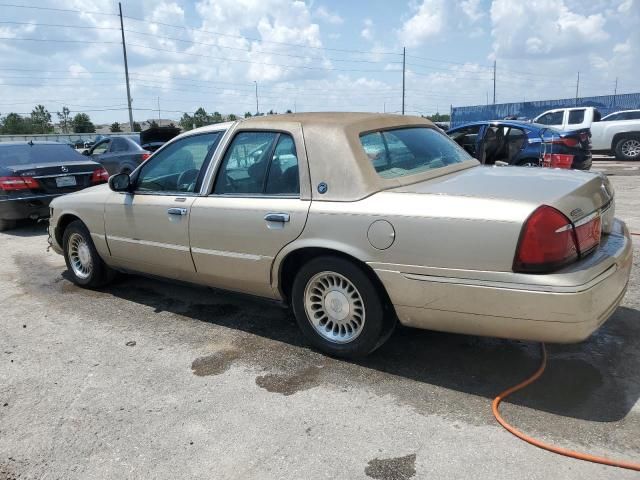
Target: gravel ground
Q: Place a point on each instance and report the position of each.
(148, 379)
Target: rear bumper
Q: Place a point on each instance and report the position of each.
(512, 310)
(32, 206)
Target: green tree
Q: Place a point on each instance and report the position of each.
(216, 118)
(186, 122)
(41, 119)
(82, 124)
(231, 117)
(271, 112)
(201, 118)
(137, 127)
(16, 124)
(288, 111)
(153, 123)
(65, 119)
(438, 117)
(115, 127)
(247, 115)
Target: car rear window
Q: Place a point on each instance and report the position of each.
(576, 117)
(406, 151)
(27, 154)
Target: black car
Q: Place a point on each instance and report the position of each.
(153, 138)
(524, 144)
(118, 154)
(34, 173)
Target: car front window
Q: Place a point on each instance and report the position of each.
(407, 151)
(177, 167)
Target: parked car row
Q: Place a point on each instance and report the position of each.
(359, 221)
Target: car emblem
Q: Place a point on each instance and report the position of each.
(576, 213)
(64, 169)
(322, 187)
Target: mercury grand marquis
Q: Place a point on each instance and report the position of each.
(359, 221)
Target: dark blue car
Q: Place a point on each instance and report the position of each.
(524, 144)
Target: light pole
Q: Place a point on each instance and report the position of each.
(257, 107)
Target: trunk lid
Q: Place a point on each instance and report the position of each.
(56, 178)
(576, 194)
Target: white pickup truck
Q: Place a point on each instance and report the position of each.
(618, 137)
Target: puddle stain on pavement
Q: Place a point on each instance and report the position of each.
(400, 468)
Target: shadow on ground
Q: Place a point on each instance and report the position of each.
(27, 228)
(595, 380)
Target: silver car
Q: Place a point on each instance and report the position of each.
(359, 221)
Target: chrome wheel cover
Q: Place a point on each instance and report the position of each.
(80, 256)
(334, 307)
(631, 148)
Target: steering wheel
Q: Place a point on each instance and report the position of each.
(187, 178)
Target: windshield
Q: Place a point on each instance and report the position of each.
(407, 151)
(28, 154)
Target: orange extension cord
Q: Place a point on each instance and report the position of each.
(560, 451)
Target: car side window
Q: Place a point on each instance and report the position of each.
(551, 118)
(245, 164)
(467, 138)
(284, 176)
(101, 147)
(576, 117)
(119, 145)
(177, 167)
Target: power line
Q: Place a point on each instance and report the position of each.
(68, 10)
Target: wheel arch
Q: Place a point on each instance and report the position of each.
(618, 136)
(63, 222)
(291, 262)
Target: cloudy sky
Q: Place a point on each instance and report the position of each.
(311, 55)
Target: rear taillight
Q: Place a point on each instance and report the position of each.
(588, 233)
(100, 175)
(9, 184)
(145, 156)
(557, 160)
(549, 241)
(567, 141)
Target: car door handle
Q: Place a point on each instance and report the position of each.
(177, 211)
(277, 217)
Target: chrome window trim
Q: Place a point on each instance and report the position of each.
(68, 174)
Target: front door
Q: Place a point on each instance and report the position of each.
(148, 230)
(254, 210)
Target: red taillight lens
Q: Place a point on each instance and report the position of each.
(569, 141)
(145, 156)
(547, 242)
(557, 160)
(588, 233)
(9, 184)
(100, 175)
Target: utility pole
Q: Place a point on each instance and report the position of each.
(577, 88)
(615, 92)
(126, 68)
(494, 82)
(257, 107)
(404, 63)
(487, 97)
(158, 108)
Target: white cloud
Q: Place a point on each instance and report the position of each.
(427, 21)
(367, 31)
(547, 28)
(324, 14)
(472, 9)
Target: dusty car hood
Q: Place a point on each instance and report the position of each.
(575, 193)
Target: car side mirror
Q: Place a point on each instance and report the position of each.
(120, 182)
(86, 152)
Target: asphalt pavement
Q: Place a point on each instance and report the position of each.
(149, 379)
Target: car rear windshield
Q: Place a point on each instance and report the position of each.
(27, 154)
(406, 151)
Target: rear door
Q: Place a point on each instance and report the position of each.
(148, 230)
(255, 207)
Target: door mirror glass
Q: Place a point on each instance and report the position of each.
(85, 153)
(120, 182)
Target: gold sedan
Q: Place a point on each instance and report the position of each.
(359, 221)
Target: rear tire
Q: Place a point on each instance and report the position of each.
(339, 309)
(85, 266)
(7, 224)
(628, 148)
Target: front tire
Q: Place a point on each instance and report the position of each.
(84, 264)
(338, 308)
(628, 148)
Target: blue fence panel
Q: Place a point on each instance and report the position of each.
(605, 104)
